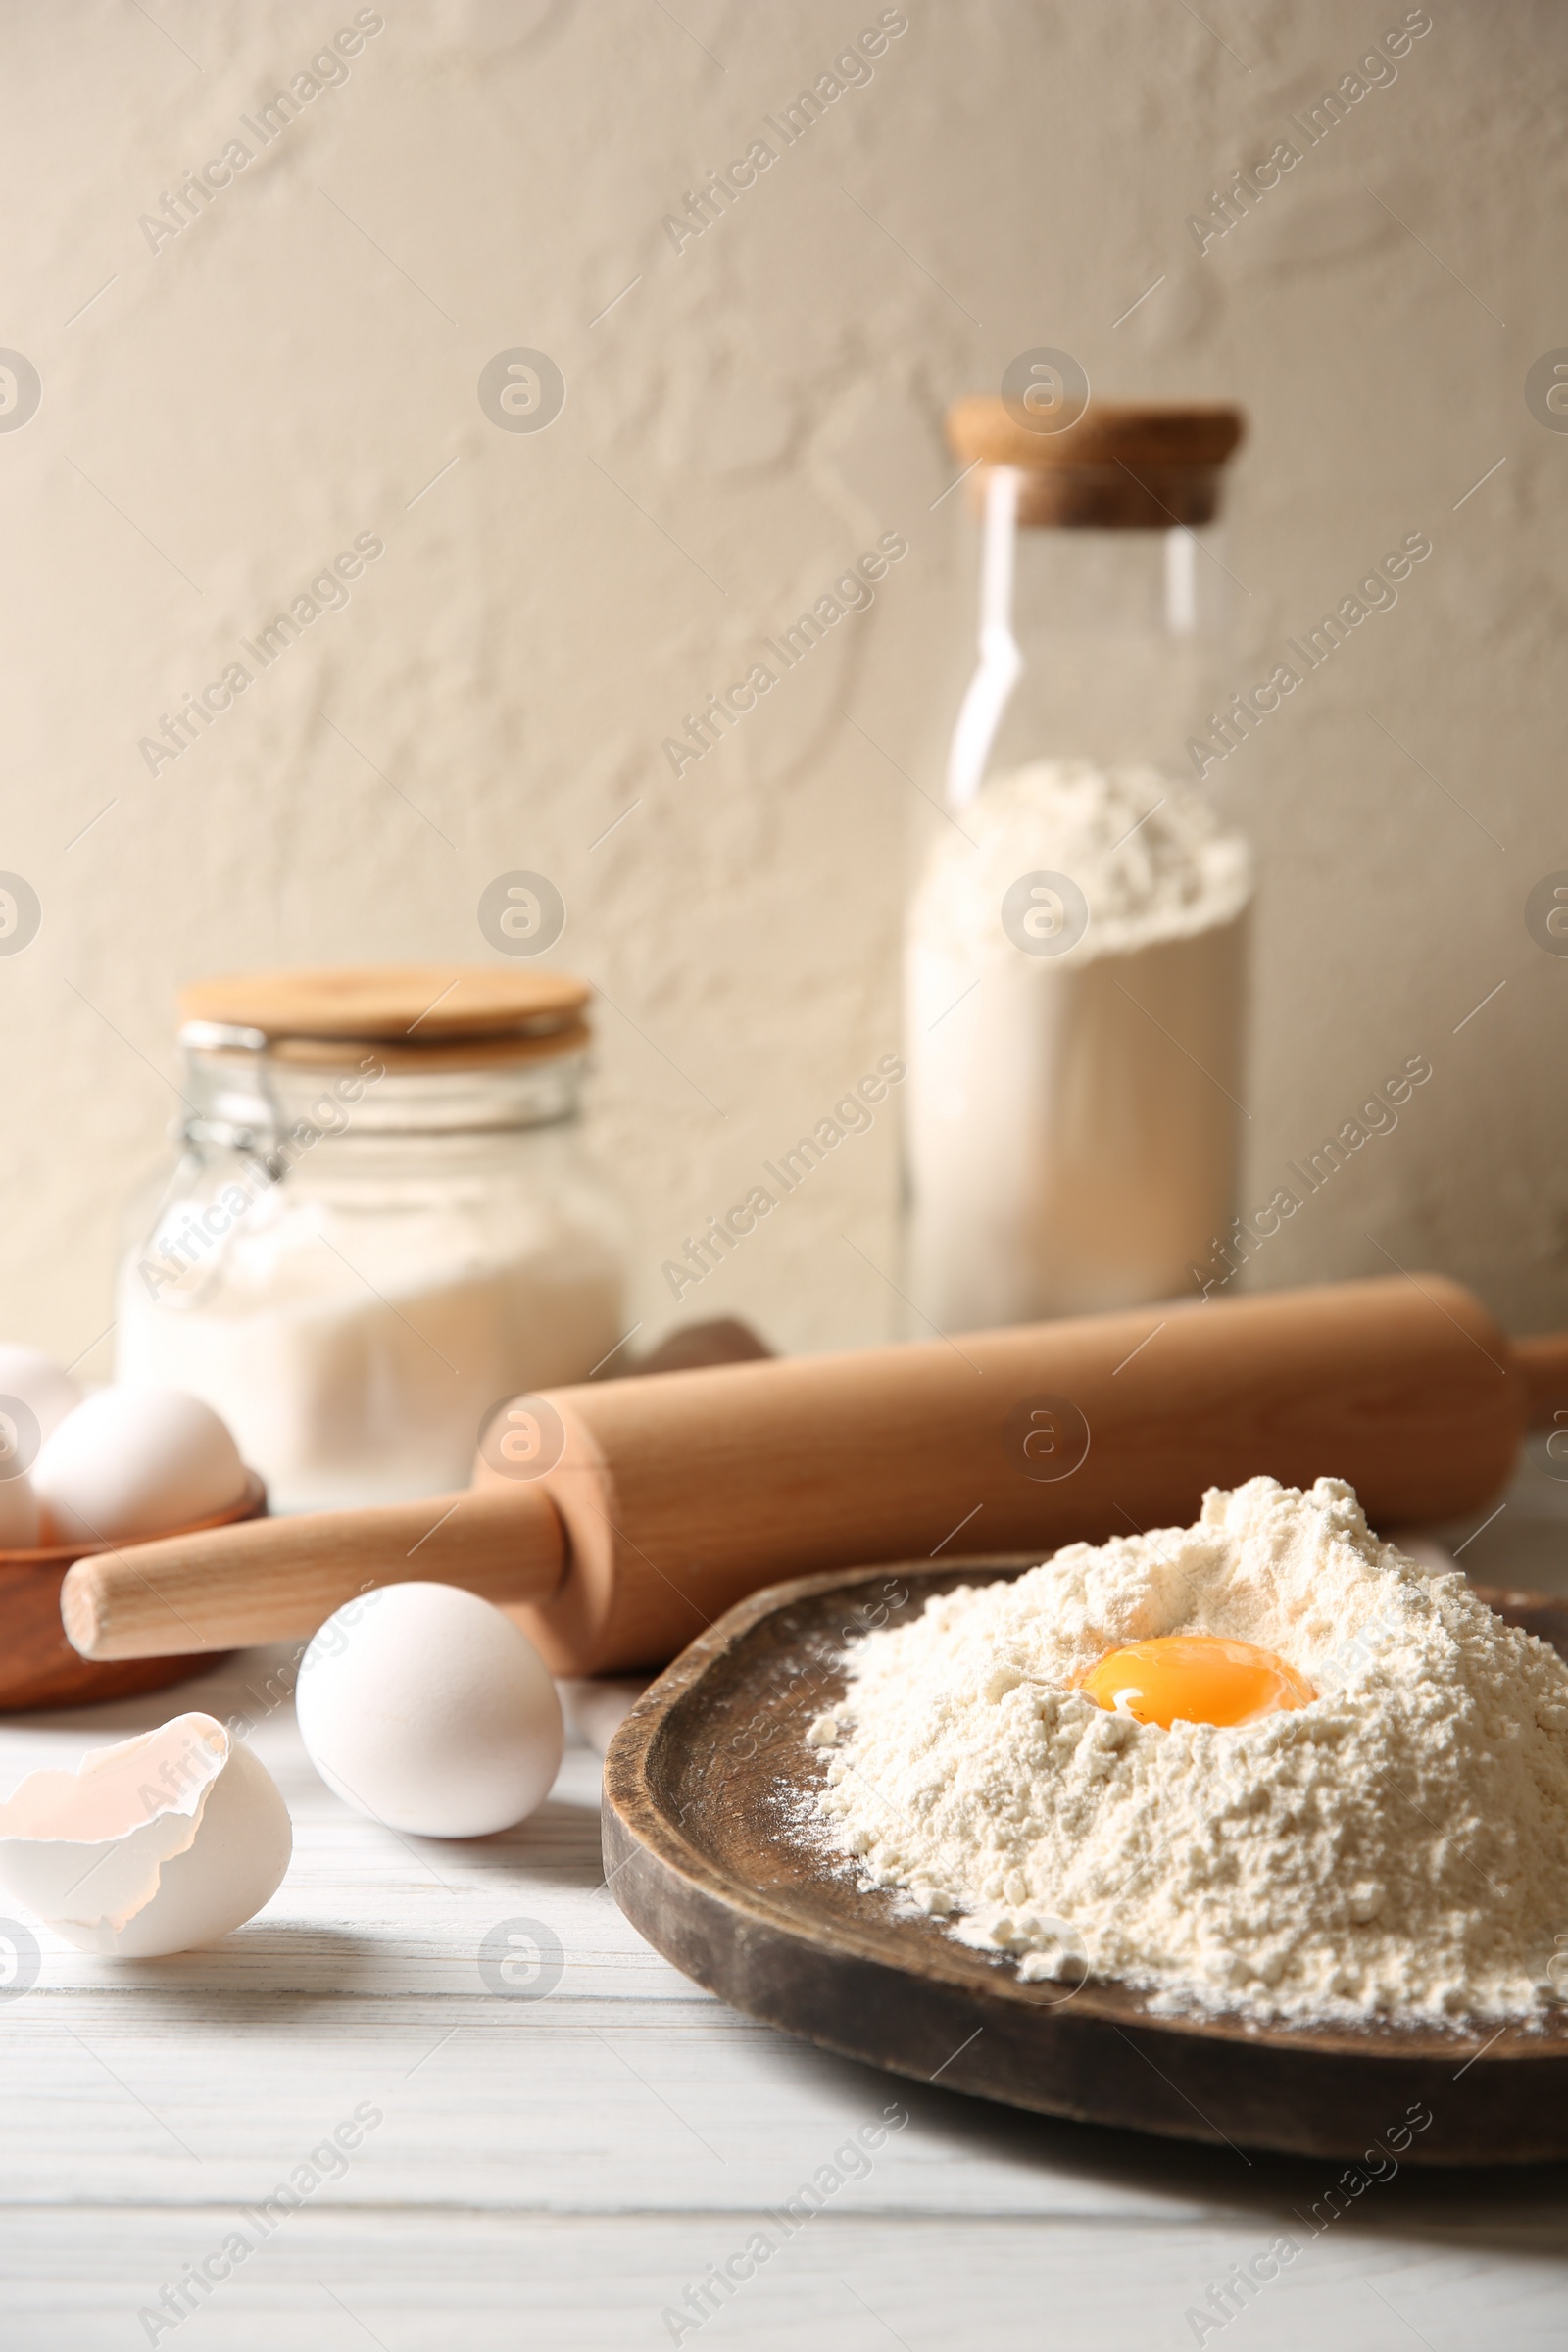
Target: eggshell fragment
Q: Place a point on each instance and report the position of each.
(424, 1707)
(48, 1393)
(154, 1845)
(20, 1526)
(134, 1462)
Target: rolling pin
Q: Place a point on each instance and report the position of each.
(617, 1519)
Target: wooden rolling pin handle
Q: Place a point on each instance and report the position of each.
(666, 1499)
(1544, 1361)
(273, 1579)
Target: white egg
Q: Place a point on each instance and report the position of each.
(48, 1393)
(136, 1462)
(20, 1527)
(154, 1845)
(431, 1711)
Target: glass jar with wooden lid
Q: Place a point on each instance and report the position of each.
(384, 1220)
(1074, 967)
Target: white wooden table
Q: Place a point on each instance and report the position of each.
(557, 2171)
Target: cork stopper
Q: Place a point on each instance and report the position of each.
(1128, 465)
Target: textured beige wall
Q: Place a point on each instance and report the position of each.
(302, 360)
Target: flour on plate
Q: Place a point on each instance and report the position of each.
(1398, 1848)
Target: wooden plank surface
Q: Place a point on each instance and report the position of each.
(559, 2171)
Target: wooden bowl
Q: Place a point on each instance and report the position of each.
(706, 1784)
(39, 1667)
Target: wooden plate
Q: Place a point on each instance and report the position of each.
(39, 1667)
(707, 1785)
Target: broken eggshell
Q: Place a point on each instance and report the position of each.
(154, 1845)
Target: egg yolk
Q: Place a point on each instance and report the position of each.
(1195, 1678)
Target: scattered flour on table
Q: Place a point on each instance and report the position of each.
(1398, 1847)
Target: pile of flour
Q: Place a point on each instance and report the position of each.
(1146, 849)
(1397, 1848)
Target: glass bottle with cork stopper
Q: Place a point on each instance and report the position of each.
(382, 1222)
(1075, 951)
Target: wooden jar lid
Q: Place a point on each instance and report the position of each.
(1121, 465)
(425, 1016)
